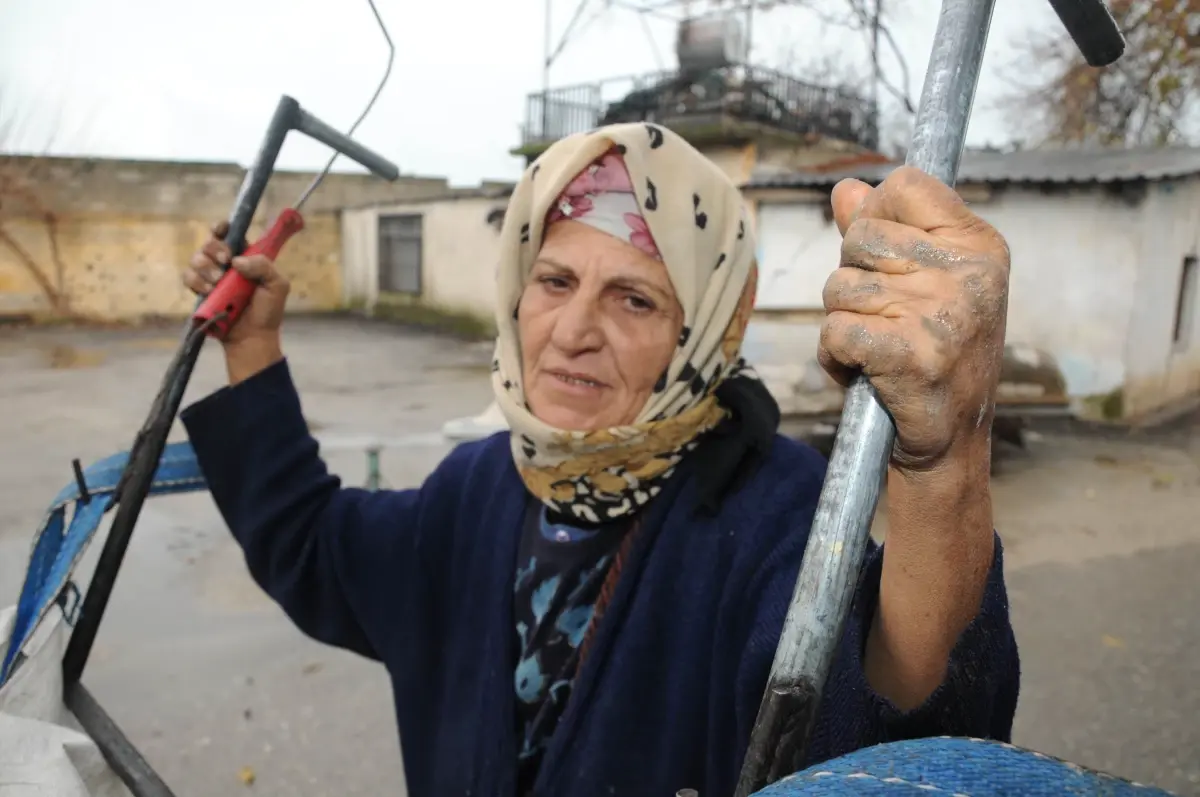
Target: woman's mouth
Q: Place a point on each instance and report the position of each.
(576, 380)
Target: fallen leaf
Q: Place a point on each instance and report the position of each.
(1162, 481)
(246, 776)
(1105, 459)
(312, 667)
(1112, 641)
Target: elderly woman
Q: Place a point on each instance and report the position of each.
(590, 603)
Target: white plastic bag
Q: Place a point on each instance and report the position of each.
(43, 752)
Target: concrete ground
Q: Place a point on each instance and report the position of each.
(222, 694)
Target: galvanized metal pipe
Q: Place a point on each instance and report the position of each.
(858, 464)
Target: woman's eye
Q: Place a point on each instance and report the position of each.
(554, 283)
(639, 303)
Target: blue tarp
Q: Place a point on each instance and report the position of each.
(58, 546)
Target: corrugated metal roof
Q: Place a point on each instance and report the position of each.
(1028, 166)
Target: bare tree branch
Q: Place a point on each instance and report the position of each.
(869, 14)
(859, 16)
(22, 199)
(864, 17)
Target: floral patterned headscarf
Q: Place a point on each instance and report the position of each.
(648, 186)
(602, 196)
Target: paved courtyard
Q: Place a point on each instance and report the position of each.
(222, 694)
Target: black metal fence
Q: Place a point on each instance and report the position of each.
(744, 93)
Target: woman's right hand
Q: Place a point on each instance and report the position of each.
(252, 343)
(263, 315)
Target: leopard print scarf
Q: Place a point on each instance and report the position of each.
(691, 215)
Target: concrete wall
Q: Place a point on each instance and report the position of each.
(736, 161)
(126, 267)
(123, 231)
(458, 253)
(1160, 370)
(740, 161)
(1075, 272)
(824, 153)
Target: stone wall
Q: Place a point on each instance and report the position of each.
(123, 230)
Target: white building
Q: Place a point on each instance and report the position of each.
(1104, 261)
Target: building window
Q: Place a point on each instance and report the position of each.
(400, 254)
(1185, 305)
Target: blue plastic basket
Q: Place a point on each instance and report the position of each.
(953, 767)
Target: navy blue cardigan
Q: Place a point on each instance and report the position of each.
(422, 580)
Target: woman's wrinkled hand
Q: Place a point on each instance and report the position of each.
(918, 305)
(263, 316)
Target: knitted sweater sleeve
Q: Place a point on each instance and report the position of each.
(329, 555)
(977, 697)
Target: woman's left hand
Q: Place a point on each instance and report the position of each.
(919, 306)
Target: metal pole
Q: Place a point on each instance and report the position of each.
(857, 467)
(876, 73)
(546, 58)
(342, 144)
(374, 474)
(120, 754)
(749, 47)
(940, 130)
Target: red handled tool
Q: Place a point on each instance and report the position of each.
(223, 306)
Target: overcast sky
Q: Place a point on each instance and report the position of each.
(155, 79)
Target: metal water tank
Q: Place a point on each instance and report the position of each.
(709, 43)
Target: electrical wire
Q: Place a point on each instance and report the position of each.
(567, 33)
(378, 90)
(650, 40)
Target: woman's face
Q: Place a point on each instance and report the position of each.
(598, 324)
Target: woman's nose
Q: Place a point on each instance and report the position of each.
(577, 325)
